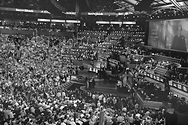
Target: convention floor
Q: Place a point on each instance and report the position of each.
(108, 87)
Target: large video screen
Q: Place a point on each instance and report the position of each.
(169, 34)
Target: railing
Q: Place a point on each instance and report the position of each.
(179, 86)
(161, 71)
(165, 58)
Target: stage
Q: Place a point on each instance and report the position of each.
(102, 86)
(106, 87)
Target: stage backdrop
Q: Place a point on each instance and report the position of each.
(169, 34)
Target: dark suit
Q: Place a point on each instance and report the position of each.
(178, 43)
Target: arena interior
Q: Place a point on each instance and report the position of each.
(93, 62)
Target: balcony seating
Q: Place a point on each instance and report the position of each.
(161, 71)
(67, 85)
(166, 58)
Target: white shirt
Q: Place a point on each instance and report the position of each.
(63, 123)
(93, 96)
(104, 99)
(100, 97)
(72, 123)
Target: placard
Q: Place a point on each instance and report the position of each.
(184, 89)
(179, 86)
(174, 84)
(170, 83)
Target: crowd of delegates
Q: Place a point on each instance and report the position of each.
(179, 103)
(29, 61)
(33, 70)
(32, 73)
(32, 60)
(54, 106)
(40, 26)
(150, 91)
(173, 70)
(132, 51)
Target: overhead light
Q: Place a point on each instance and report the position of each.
(102, 22)
(58, 21)
(115, 22)
(128, 22)
(70, 13)
(43, 20)
(73, 21)
(96, 14)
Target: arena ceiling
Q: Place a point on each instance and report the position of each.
(150, 6)
(134, 6)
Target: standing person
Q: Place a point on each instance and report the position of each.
(178, 42)
(87, 83)
(93, 83)
(102, 117)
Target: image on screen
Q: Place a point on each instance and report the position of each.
(169, 34)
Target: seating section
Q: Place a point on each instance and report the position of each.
(136, 34)
(161, 71)
(92, 33)
(166, 58)
(59, 64)
(66, 85)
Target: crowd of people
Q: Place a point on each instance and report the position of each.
(32, 74)
(149, 65)
(40, 26)
(55, 106)
(33, 59)
(174, 71)
(34, 68)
